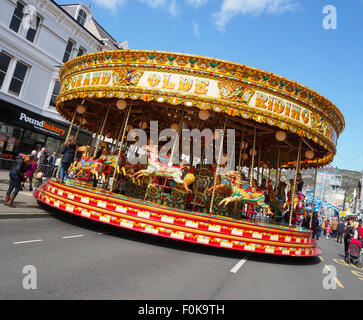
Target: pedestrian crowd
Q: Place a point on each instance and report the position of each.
(347, 231)
(29, 168)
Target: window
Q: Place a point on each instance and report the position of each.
(4, 64)
(17, 17)
(68, 51)
(30, 35)
(18, 78)
(55, 93)
(81, 52)
(82, 16)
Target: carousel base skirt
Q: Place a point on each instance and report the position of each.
(183, 225)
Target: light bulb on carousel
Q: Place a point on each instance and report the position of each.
(280, 135)
(204, 115)
(121, 104)
(174, 126)
(143, 125)
(309, 154)
(81, 109)
(250, 152)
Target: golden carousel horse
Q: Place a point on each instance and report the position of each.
(86, 165)
(242, 193)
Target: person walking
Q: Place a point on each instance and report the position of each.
(68, 151)
(340, 231)
(17, 175)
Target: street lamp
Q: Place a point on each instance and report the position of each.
(345, 196)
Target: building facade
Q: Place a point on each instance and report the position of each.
(36, 38)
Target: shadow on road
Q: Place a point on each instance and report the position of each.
(136, 236)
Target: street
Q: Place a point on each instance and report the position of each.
(75, 258)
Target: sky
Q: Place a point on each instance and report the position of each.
(286, 37)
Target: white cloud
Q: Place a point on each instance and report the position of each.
(232, 8)
(169, 5)
(196, 3)
(196, 29)
(109, 4)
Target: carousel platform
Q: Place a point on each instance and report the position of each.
(183, 225)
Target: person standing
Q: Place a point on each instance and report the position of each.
(340, 231)
(348, 235)
(321, 225)
(328, 229)
(68, 151)
(30, 172)
(52, 159)
(17, 175)
(315, 226)
(334, 226)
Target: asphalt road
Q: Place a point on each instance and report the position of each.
(66, 257)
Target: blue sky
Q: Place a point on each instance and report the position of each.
(285, 37)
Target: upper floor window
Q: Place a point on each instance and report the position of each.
(55, 93)
(17, 17)
(81, 51)
(30, 35)
(68, 51)
(18, 78)
(4, 65)
(82, 16)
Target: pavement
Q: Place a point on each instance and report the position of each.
(26, 206)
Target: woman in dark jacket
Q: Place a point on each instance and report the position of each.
(17, 175)
(68, 152)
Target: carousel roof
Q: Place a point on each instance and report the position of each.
(167, 86)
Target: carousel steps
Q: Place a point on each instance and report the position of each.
(180, 225)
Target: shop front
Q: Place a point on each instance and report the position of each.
(22, 131)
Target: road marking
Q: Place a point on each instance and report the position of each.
(335, 279)
(321, 258)
(239, 265)
(359, 274)
(27, 241)
(75, 236)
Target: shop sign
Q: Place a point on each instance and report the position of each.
(42, 125)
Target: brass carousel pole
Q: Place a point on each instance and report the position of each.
(123, 131)
(277, 171)
(241, 149)
(312, 204)
(79, 127)
(176, 142)
(258, 164)
(101, 132)
(253, 158)
(242, 145)
(292, 192)
(68, 134)
(217, 169)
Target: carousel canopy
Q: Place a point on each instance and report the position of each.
(201, 92)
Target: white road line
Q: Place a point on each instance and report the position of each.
(27, 241)
(75, 236)
(239, 265)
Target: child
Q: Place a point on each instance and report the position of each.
(38, 179)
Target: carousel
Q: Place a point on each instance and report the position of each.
(258, 125)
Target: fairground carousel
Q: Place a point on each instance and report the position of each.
(277, 127)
